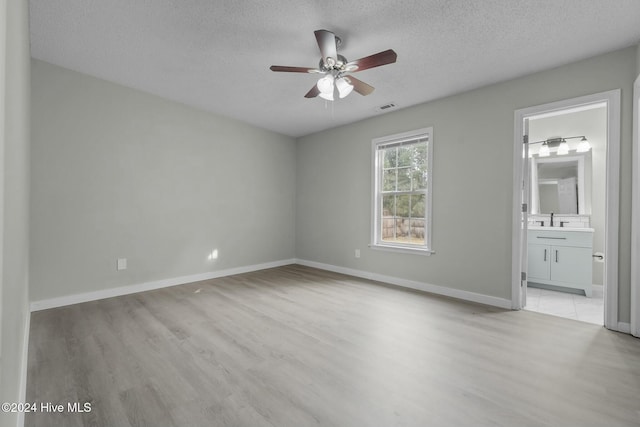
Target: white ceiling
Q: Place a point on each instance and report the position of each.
(215, 54)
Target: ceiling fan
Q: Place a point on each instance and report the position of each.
(335, 67)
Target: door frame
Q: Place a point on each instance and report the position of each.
(635, 214)
(612, 205)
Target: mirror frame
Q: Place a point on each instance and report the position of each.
(583, 179)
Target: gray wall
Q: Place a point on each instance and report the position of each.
(593, 124)
(472, 183)
(121, 173)
(14, 200)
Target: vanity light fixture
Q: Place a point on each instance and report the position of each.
(544, 150)
(583, 145)
(563, 148)
(562, 145)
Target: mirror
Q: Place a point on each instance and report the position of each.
(561, 184)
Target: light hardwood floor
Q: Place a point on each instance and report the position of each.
(295, 346)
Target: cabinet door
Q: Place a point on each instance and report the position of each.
(569, 264)
(538, 261)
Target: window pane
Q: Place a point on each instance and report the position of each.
(419, 175)
(402, 218)
(388, 223)
(390, 155)
(417, 231)
(420, 156)
(405, 156)
(389, 180)
(417, 222)
(402, 205)
(418, 206)
(404, 179)
(388, 205)
(419, 180)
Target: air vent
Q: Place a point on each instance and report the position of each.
(386, 107)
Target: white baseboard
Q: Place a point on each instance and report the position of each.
(624, 327)
(148, 286)
(22, 390)
(427, 287)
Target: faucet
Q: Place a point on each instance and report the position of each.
(551, 223)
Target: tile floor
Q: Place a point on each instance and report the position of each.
(570, 306)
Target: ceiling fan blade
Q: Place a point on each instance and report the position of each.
(371, 61)
(327, 44)
(359, 86)
(286, 69)
(313, 92)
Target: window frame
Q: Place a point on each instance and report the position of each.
(376, 193)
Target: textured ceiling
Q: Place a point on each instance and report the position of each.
(215, 54)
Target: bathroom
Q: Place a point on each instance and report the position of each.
(567, 199)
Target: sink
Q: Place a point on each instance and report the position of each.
(537, 227)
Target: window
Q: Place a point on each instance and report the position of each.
(402, 191)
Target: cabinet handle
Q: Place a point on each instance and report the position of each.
(545, 255)
(556, 255)
(554, 238)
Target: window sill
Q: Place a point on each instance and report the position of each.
(402, 249)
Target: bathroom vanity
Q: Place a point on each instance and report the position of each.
(560, 257)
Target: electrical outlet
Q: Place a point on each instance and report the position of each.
(122, 264)
(357, 253)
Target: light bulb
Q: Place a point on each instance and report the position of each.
(325, 85)
(563, 148)
(583, 145)
(544, 150)
(344, 87)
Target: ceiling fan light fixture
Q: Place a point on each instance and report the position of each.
(333, 66)
(327, 96)
(325, 85)
(344, 87)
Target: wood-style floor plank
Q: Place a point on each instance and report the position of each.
(296, 346)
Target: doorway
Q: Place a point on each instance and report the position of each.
(566, 193)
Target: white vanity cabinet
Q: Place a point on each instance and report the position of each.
(560, 257)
